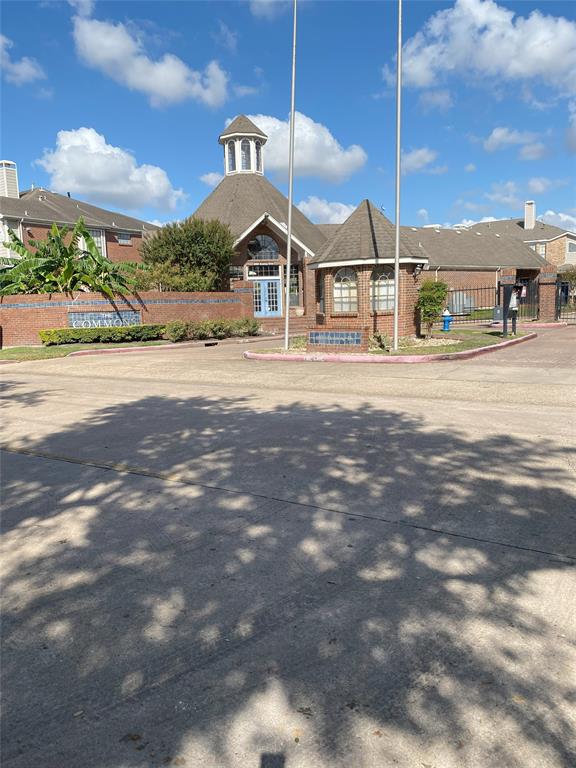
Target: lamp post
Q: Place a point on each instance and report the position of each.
(290, 188)
(398, 160)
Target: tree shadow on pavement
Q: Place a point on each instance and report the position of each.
(210, 582)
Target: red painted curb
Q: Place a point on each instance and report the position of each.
(319, 357)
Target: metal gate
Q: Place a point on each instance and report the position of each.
(565, 302)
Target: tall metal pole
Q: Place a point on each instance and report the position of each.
(290, 190)
(398, 159)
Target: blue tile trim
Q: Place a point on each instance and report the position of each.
(70, 305)
(335, 338)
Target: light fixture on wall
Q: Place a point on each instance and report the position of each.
(418, 269)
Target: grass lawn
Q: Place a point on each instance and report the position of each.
(62, 350)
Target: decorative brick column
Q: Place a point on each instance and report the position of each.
(547, 280)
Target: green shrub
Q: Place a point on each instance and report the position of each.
(177, 330)
(246, 327)
(109, 334)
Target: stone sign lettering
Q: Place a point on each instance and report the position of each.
(103, 319)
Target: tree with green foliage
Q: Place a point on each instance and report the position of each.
(431, 302)
(189, 255)
(63, 263)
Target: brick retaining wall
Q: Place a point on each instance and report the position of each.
(22, 316)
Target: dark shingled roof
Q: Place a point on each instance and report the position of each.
(368, 235)
(515, 228)
(239, 200)
(466, 248)
(40, 205)
(329, 229)
(242, 125)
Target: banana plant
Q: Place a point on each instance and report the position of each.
(65, 262)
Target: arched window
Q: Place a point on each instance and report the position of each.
(382, 289)
(263, 247)
(231, 156)
(245, 152)
(345, 291)
(258, 146)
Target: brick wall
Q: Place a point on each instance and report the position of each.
(365, 318)
(21, 317)
(556, 251)
(547, 294)
(114, 250)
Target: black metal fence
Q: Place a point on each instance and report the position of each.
(565, 302)
(478, 305)
(472, 305)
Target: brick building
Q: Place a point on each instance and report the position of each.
(257, 212)
(30, 215)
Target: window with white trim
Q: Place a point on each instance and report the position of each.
(258, 146)
(124, 238)
(382, 289)
(345, 290)
(231, 157)
(98, 236)
(263, 247)
(245, 155)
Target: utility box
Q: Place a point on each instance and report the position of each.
(497, 317)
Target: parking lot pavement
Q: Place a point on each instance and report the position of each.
(211, 562)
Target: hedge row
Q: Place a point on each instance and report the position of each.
(174, 331)
(178, 330)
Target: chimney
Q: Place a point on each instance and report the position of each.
(529, 214)
(8, 179)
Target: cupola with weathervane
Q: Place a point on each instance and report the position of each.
(243, 142)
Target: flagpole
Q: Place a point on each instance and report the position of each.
(290, 189)
(398, 159)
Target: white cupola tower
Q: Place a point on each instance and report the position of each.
(243, 142)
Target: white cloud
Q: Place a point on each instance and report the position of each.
(503, 137)
(323, 212)
(559, 219)
(418, 160)
(211, 179)
(267, 9)
(470, 168)
(226, 37)
(423, 214)
(534, 151)
(537, 186)
(491, 43)
(113, 50)
(505, 193)
(82, 7)
(25, 70)
(440, 100)
(82, 163)
(245, 90)
(316, 151)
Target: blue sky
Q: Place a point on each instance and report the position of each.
(121, 103)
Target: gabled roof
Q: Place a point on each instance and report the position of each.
(366, 235)
(466, 248)
(515, 228)
(241, 199)
(329, 229)
(242, 125)
(41, 205)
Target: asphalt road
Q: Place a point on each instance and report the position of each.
(227, 564)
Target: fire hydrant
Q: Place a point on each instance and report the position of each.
(447, 317)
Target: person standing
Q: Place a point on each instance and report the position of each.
(513, 306)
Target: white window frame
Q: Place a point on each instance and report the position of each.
(124, 238)
(382, 289)
(345, 291)
(99, 237)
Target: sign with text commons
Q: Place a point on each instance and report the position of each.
(103, 319)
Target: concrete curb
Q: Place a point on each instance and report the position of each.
(380, 359)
